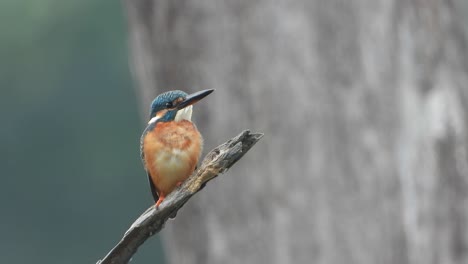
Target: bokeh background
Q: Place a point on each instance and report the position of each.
(72, 181)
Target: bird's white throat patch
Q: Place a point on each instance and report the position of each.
(184, 114)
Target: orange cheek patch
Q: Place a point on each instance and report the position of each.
(177, 101)
(161, 113)
(158, 115)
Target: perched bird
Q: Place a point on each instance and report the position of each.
(171, 144)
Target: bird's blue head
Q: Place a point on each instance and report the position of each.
(175, 105)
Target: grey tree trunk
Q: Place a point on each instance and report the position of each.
(364, 106)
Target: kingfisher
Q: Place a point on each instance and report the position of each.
(171, 144)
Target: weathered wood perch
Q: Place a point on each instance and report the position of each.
(152, 221)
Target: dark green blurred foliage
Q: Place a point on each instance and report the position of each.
(72, 181)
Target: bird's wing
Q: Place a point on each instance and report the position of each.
(154, 192)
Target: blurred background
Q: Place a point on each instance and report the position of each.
(69, 144)
(364, 106)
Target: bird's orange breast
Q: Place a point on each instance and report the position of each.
(171, 153)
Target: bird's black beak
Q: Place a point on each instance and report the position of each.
(193, 98)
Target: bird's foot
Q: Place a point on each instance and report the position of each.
(161, 198)
(178, 184)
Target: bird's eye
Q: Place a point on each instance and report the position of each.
(169, 105)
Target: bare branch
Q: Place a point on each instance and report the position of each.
(152, 221)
